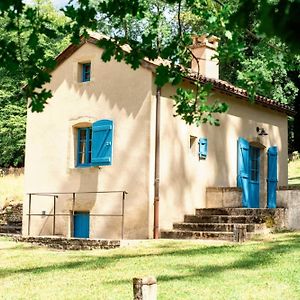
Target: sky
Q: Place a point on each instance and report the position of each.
(57, 3)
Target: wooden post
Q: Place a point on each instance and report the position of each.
(145, 288)
(239, 233)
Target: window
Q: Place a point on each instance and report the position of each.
(254, 164)
(193, 145)
(86, 72)
(94, 144)
(84, 154)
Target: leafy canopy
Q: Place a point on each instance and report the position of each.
(17, 40)
(257, 40)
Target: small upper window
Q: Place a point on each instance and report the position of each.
(193, 145)
(86, 72)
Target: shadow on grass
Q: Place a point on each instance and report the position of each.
(293, 178)
(252, 256)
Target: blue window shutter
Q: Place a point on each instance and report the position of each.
(102, 143)
(272, 176)
(202, 148)
(243, 170)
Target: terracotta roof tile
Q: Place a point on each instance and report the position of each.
(231, 89)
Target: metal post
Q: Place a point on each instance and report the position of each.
(72, 221)
(54, 208)
(123, 212)
(157, 167)
(29, 214)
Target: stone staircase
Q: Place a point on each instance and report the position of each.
(226, 223)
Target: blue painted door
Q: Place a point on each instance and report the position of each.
(243, 170)
(272, 176)
(254, 165)
(82, 224)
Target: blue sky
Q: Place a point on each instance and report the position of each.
(60, 3)
(57, 3)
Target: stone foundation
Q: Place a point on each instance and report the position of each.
(289, 198)
(223, 197)
(11, 219)
(69, 243)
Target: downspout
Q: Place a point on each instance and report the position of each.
(156, 166)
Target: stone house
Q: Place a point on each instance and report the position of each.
(95, 163)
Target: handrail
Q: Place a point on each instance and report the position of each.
(66, 193)
(56, 196)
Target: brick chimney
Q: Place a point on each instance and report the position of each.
(204, 49)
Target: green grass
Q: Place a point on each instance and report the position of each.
(294, 172)
(11, 189)
(268, 269)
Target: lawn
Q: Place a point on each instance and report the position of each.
(261, 269)
(294, 172)
(11, 189)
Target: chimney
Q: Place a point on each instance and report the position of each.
(204, 49)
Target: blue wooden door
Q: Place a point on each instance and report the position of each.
(254, 165)
(82, 224)
(272, 176)
(243, 170)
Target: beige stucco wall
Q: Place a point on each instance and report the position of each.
(117, 93)
(184, 177)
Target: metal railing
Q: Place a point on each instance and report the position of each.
(74, 194)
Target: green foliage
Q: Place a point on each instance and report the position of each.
(255, 50)
(249, 56)
(12, 135)
(194, 108)
(27, 52)
(278, 18)
(26, 36)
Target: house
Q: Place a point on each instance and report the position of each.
(96, 165)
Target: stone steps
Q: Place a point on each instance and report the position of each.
(183, 234)
(226, 223)
(219, 227)
(236, 211)
(240, 219)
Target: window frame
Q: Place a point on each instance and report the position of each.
(84, 72)
(87, 150)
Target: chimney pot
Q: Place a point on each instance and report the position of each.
(204, 48)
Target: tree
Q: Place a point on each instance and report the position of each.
(241, 25)
(14, 77)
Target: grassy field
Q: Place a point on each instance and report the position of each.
(11, 189)
(294, 172)
(268, 269)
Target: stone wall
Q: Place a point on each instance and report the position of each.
(69, 243)
(11, 219)
(217, 197)
(289, 198)
(11, 171)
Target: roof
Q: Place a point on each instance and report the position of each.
(218, 84)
